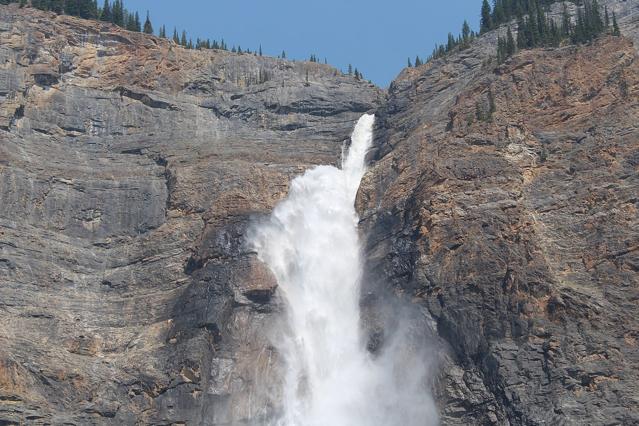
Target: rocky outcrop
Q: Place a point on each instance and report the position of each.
(503, 202)
(129, 170)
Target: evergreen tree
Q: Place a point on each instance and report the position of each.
(118, 13)
(350, 69)
(129, 21)
(183, 41)
(283, 54)
(89, 9)
(596, 22)
(566, 22)
(466, 33)
(501, 50)
(486, 18)
(72, 7)
(260, 50)
(451, 42)
(492, 107)
(579, 32)
(498, 12)
(418, 61)
(409, 64)
(163, 31)
(82, 8)
(533, 26)
(522, 40)
(479, 112)
(137, 23)
(56, 6)
(176, 37)
(510, 43)
(106, 13)
(542, 24)
(148, 27)
(615, 26)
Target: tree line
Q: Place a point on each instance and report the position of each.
(116, 13)
(461, 42)
(534, 28)
(504, 11)
(89, 9)
(538, 30)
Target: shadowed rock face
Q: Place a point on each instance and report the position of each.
(516, 230)
(129, 171)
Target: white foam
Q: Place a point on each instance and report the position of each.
(311, 244)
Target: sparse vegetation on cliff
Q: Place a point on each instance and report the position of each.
(533, 27)
(462, 41)
(115, 12)
(538, 30)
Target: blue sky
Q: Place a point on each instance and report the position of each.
(375, 36)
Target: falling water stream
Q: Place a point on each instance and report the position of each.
(311, 244)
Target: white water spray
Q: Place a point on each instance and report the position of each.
(311, 245)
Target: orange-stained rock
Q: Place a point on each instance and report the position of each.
(516, 230)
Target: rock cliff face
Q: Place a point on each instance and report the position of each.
(130, 169)
(515, 228)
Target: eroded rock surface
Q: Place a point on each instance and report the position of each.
(129, 171)
(515, 228)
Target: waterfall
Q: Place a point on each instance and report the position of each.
(311, 245)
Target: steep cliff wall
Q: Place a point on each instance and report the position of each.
(129, 169)
(515, 227)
